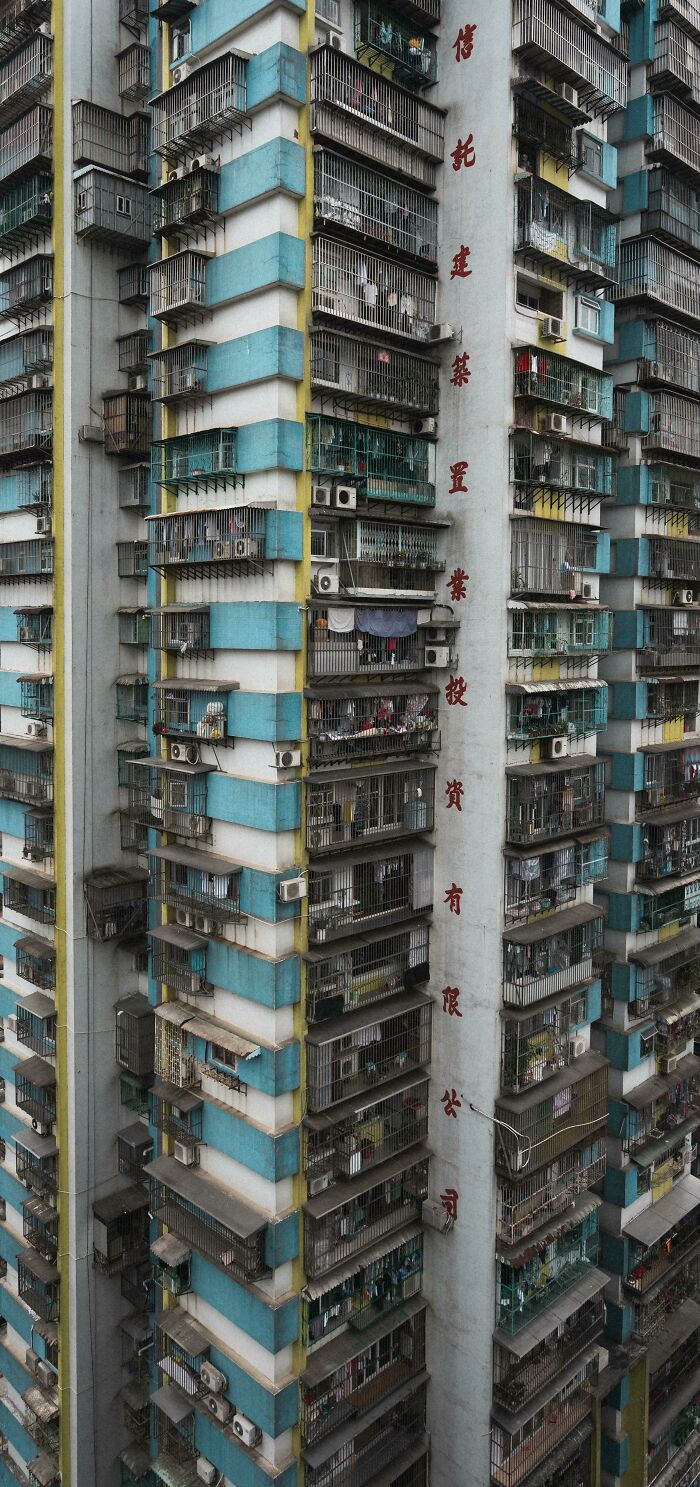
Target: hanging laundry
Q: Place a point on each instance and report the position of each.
(387, 622)
(341, 621)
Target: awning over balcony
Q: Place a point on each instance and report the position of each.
(40, 1211)
(172, 1403)
(356, 776)
(47, 1330)
(354, 1022)
(520, 1253)
(171, 1094)
(44, 1470)
(208, 1028)
(350, 1344)
(556, 1314)
(41, 1269)
(37, 1005)
(525, 689)
(183, 939)
(686, 943)
(667, 885)
(320, 953)
(36, 1071)
(204, 862)
(171, 1252)
(656, 1150)
(43, 1403)
(663, 1419)
(136, 1460)
(545, 849)
(314, 1456)
(513, 1422)
(345, 1192)
(365, 1101)
(137, 1327)
(556, 606)
(556, 924)
(682, 1007)
(559, 1459)
(180, 1328)
(214, 1200)
(657, 1220)
(313, 1290)
(653, 1089)
(39, 1146)
(135, 1395)
(172, 766)
(381, 688)
(559, 766)
(180, 684)
(539, 1094)
(28, 745)
(28, 875)
(688, 811)
(677, 1328)
(115, 1205)
(33, 945)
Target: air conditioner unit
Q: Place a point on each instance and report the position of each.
(245, 547)
(184, 753)
(181, 73)
(291, 890)
(11, 1023)
(32, 1360)
(348, 1064)
(183, 917)
(206, 926)
(442, 331)
(206, 1471)
(287, 758)
(555, 748)
(577, 1047)
(138, 382)
(204, 162)
(38, 381)
(248, 1433)
(552, 328)
(558, 423)
(424, 426)
(36, 730)
(45, 1375)
(212, 1378)
(345, 496)
(585, 589)
(43, 525)
(568, 93)
(325, 581)
(184, 1154)
(437, 655)
(669, 1063)
(24, 633)
(435, 1216)
(320, 495)
(91, 433)
(684, 596)
(319, 1184)
(44, 29)
(221, 1409)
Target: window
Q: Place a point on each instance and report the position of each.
(529, 295)
(124, 205)
(591, 154)
(647, 1042)
(82, 201)
(585, 471)
(579, 1011)
(320, 540)
(181, 40)
(588, 316)
(224, 1056)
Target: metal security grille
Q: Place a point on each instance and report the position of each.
(199, 538)
(190, 202)
(669, 559)
(102, 137)
(553, 1123)
(653, 270)
(178, 286)
(372, 725)
(373, 1132)
(197, 460)
(180, 373)
(551, 803)
(340, 1068)
(27, 145)
(561, 381)
(133, 350)
(567, 49)
(355, 106)
(19, 18)
(127, 423)
(382, 1441)
(174, 1062)
(133, 284)
(361, 1382)
(571, 633)
(377, 806)
(551, 879)
(525, 1205)
(514, 1456)
(242, 1258)
(569, 713)
(203, 107)
(549, 557)
(351, 284)
(362, 372)
(25, 76)
(675, 137)
(674, 425)
(111, 209)
(554, 228)
(517, 1380)
(673, 208)
(180, 629)
(670, 850)
(132, 559)
(34, 627)
(352, 196)
(343, 979)
(32, 559)
(367, 893)
(389, 466)
(539, 968)
(385, 41)
(533, 1048)
(25, 213)
(169, 800)
(27, 286)
(671, 354)
(134, 71)
(379, 1209)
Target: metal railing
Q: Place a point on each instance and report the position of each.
(571, 633)
(562, 382)
(373, 1134)
(674, 136)
(180, 629)
(540, 463)
(556, 228)
(343, 1067)
(119, 142)
(674, 425)
(524, 1206)
(380, 35)
(372, 726)
(359, 109)
(178, 286)
(371, 1298)
(201, 108)
(527, 1288)
(26, 211)
(244, 1259)
(516, 1380)
(196, 460)
(346, 979)
(26, 146)
(234, 534)
(169, 801)
(127, 423)
(132, 559)
(180, 373)
(513, 1457)
(373, 1448)
(673, 208)
(27, 286)
(364, 372)
(538, 884)
(190, 202)
(555, 803)
(376, 1211)
(675, 65)
(352, 196)
(369, 807)
(550, 965)
(653, 270)
(534, 1047)
(670, 637)
(387, 465)
(548, 557)
(554, 1123)
(361, 1383)
(134, 71)
(568, 49)
(380, 294)
(25, 76)
(572, 714)
(353, 652)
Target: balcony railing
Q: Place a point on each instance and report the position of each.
(133, 284)
(675, 66)
(26, 147)
(517, 1380)
(567, 49)
(382, 40)
(562, 233)
(183, 206)
(25, 76)
(26, 428)
(674, 426)
(670, 638)
(670, 355)
(365, 971)
(181, 627)
(180, 374)
(336, 1228)
(549, 557)
(127, 423)
(535, 885)
(204, 1215)
(350, 284)
(36, 1024)
(192, 709)
(20, 355)
(372, 724)
(562, 383)
(673, 209)
(132, 559)
(374, 559)
(672, 558)
(671, 485)
(231, 539)
(554, 712)
(196, 462)
(18, 19)
(118, 142)
(371, 1449)
(38, 1284)
(209, 887)
(345, 1145)
(26, 213)
(533, 126)
(674, 140)
(34, 626)
(356, 199)
(35, 1091)
(353, 808)
(536, 1046)
(35, 961)
(373, 1367)
(169, 797)
(647, 1266)
(367, 374)
(548, 801)
(328, 1306)
(538, 963)
(26, 287)
(547, 1124)
(355, 107)
(38, 835)
(528, 1283)
(179, 287)
(179, 961)
(361, 651)
(384, 464)
(542, 464)
(364, 1049)
(27, 892)
(109, 209)
(206, 106)
(686, 12)
(515, 1453)
(537, 632)
(26, 770)
(655, 271)
(531, 1202)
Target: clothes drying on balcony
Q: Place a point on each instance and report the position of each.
(555, 1316)
(581, 1208)
(390, 624)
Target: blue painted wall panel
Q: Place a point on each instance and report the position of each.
(276, 259)
(273, 1327)
(254, 803)
(275, 352)
(278, 165)
(255, 627)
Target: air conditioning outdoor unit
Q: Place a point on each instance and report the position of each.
(291, 890)
(212, 1378)
(558, 423)
(138, 382)
(440, 332)
(184, 753)
(556, 748)
(684, 596)
(346, 497)
(11, 1023)
(204, 162)
(206, 1471)
(221, 1409)
(183, 917)
(585, 589)
(45, 1375)
(435, 1216)
(181, 73)
(43, 525)
(437, 656)
(320, 495)
(287, 758)
(245, 547)
(577, 1047)
(669, 1064)
(568, 93)
(325, 581)
(319, 1184)
(247, 1433)
(552, 328)
(32, 1360)
(424, 426)
(36, 729)
(184, 1154)
(206, 926)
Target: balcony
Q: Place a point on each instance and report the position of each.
(20, 356)
(38, 836)
(367, 1130)
(34, 626)
(538, 1044)
(399, 1432)
(670, 638)
(18, 19)
(35, 1092)
(330, 1304)
(134, 72)
(570, 51)
(670, 356)
(192, 709)
(181, 374)
(132, 559)
(575, 240)
(26, 769)
(176, 1113)
(35, 961)
(389, 45)
(134, 627)
(350, 197)
(565, 709)
(41, 1419)
(549, 955)
(119, 143)
(25, 288)
(181, 628)
(209, 105)
(198, 884)
(670, 776)
(678, 1232)
(674, 140)
(40, 1226)
(133, 284)
(352, 1216)
(671, 485)
(559, 382)
(518, 1446)
(541, 465)
(180, 961)
(686, 12)
(36, 1024)
(674, 1458)
(353, 1054)
(26, 147)
(550, 557)
(350, 808)
(528, 1284)
(355, 107)
(673, 210)
(543, 632)
(115, 903)
(549, 1118)
(377, 559)
(134, 1035)
(111, 209)
(546, 801)
(366, 970)
(363, 374)
(350, 1376)
(25, 214)
(535, 885)
(650, 270)
(36, 1161)
(29, 893)
(383, 464)
(532, 125)
(369, 724)
(38, 1284)
(120, 1230)
(184, 206)
(671, 843)
(178, 292)
(127, 423)
(519, 1377)
(169, 796)
(197, 463)
(208, 1217)
(132, 698)
(674, 426)
(384, 295)
(26, 431)
(231, 541)
(362, 651)
(25, 76)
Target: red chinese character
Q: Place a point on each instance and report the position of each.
(464, 153)
(460, 268)
(454, 791)
(453, 897)
(464, 43)
(457, 584)
(450, 1001)
(460, 370)
(451, 1103)
(449, 1200)
(454, 692)
(457, 474)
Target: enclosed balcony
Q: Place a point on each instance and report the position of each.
(667, 559)
(671, 485)
(180, 961)
(116, 141)
(35, 961)
(354, 1215)
(535, 885)
(36, 697)
(545, 800)
(555, 139)
(111, 209)
(520, 1375)
(229, 540)
(673, 210)
(210, 1218)
(673, 426)
(208, 105)
(541, 465)
(526, 1204)
(40, 1226)
(671, 842)
(36, 1161)
(127, 423)
(25, 76)
(134, 483)
(387, 44)
(133, 284)
(196, 463)
(350, 284)
(377, 559)
(26, 287)
(548, 1119)
(673, 141)
(535, 1045)
(549, 557)
(662, 1236)
(181, 628)
(350, 1055)
(170, 796)
(134, 349)
(26, 769)
(201, 887)
(670, 638)
(181, 1348)
(36, 1024)
(29, 893)
(384, 465)
(352, 1375)
(34, 626)
(176, 1113)
(368, 724)
(357, 108)
(366, 970)
(395, 1436)
(533, 1274)
(134, 627)
(19, 19)
(565, 709)
(116, 902)
(35, 1092)
(663, 902)
(132, 559)
(568, 50)
(192, 709)
(332, 1303)
(178, 288)
(349, 807)
(670, 356)
(134, 1035)
(520, 1442)
(549, 955)
(360, 1133)
(180, 375)
(26, 431)
(26, 212)
(120, 1230)
(350, 197)
(653, 271)
(172, 1272)
(38, 835)
(670, 776)
(20, 356)
(575, 240)
(134, 72)
(369, 647)
(363, 374)
(132, 698)
(539, 631)
(186, 204)
(26, 147)
(560, 382)
(38, 1284)
(134, 1149)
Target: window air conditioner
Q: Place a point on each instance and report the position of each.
(555, 748)
(213, 1379)
(291, 889)
(186, 1155)
(346, 497)
(440, 332)
(585, 589)
(319, 1184)
(287, 758)
(435, 1216)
